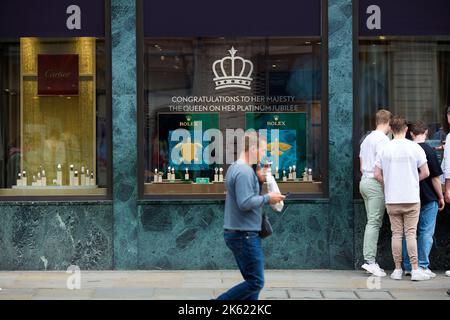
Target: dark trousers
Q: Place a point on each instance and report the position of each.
(247, 250)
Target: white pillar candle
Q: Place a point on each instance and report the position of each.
(39, 180)
(76, 181)
(83, 177)
(310, 176)
(71, 174)
(43, 179)
(59, 179)
(24, 179)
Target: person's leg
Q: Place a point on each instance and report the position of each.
(396, 219)
(406, 262)
(374, 203)
(249, 256)
(411, 219)
(425, 232)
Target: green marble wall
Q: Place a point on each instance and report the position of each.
(190, 236)
(123, 29)
(340, 112)
(53, 236)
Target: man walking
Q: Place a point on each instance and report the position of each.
(243, 218)
(431, 201)
(396, 167)
(372, 191)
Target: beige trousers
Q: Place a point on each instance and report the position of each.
(404, 219)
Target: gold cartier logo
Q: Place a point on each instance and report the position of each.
(52, 74)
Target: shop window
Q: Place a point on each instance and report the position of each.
(54, 105)
(198, 92)
(410, 76)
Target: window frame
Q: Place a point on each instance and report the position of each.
(140, 41)
(108, 101)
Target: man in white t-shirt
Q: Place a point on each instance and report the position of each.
(446, 169)
(396, 167)
(372, 191)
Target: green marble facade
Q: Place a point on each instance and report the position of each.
(128, 233)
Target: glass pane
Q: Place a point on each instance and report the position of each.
(199, 89)
(408, 76)
(53, 117)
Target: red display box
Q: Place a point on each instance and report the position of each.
(58, 75)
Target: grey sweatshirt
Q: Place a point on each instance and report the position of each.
(243, 202)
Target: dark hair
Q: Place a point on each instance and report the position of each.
(247, 141)
(398, 124)
(418, 127)
(445, 124)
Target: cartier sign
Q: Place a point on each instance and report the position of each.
(58, 74)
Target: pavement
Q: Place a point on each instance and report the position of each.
(205, 285)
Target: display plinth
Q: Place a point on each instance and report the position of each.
(53, 191)
(218, 188)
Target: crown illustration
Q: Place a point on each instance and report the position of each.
(233, 72)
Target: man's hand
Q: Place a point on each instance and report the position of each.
(447, 196)
(275, 197)
(441, 204)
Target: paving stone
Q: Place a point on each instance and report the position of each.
(304, 294)
(16, 294)
(372, 295)
(198, 284)
(272, 294)
(123, 294)
(334, 294)
(63, 294)
(183, 294)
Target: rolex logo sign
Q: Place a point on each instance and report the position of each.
(276, 121)
(233, 72)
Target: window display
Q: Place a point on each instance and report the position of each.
(53, 117)
(203, 95)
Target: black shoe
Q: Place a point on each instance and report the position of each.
(448, 292)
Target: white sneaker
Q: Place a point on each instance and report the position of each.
(397, 274)
(428, 272)
(374, 269)
(447, 273)
(419, 275)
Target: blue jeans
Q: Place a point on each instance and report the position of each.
(425, 232)
(247, 250)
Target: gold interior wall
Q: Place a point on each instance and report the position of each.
(57, 129)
